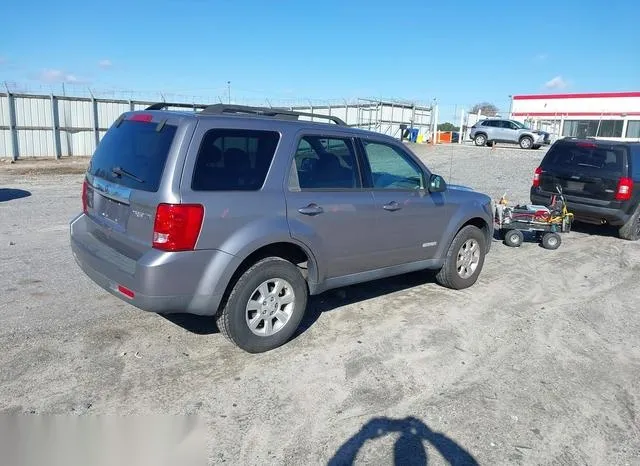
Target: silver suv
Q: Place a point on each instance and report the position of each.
(241, 213)
(491, 130)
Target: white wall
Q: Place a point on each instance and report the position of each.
(583, 106)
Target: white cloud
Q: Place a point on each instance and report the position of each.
(59, 76)
(541, 57)
(105, 63)
(556, 83)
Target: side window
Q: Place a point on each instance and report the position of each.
(390, 168)
(492, 123)
(326, 163)
(509, 125)
(234, 160)
(635, 163)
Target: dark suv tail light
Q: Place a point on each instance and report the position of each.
(177, 226)
(84, 196)
(536, 177)
(625, 186)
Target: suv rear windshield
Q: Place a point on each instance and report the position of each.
(610, 159)
(133, 154)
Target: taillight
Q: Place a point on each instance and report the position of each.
(625, 186)
(177, 226)
(84, 196)
(536, 177)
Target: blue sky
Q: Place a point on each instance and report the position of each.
(458, 52)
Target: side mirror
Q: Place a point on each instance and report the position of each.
(437, 184)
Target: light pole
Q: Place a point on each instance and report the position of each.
(510, 106)
(229, 91)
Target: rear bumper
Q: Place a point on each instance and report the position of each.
(180, 282)
(589, 213)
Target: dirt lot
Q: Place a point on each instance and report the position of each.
(539, 363)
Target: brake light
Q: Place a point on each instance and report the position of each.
(141, 117)
(84, 196)
(536, 177)
(177, 226)
(587, 145)
(625, 186)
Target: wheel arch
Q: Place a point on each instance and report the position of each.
(482, 225)
(291, 251)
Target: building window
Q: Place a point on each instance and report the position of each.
(633, 129)
(610, 129)
(592, 128)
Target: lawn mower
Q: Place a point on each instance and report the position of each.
(545, 222)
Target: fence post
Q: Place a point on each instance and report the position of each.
(96, 126)
(346, 113)
(132, 106)
(13, 131)
(55, 126)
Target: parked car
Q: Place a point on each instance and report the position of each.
(241, 213)
(600, 180)
(492, 130)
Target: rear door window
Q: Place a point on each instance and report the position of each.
(326, 163)
(133, 154)
(234, 160)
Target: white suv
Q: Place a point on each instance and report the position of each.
(494, 130)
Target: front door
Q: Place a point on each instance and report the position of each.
(327, 208)
(411, 221)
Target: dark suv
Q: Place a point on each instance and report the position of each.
(241, 213)
(600, 180)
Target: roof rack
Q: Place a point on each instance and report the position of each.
(161, 105)
(219, 109)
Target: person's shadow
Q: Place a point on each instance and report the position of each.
(409, 448)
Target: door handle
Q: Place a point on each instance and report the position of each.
(392, 206)
(311, 209)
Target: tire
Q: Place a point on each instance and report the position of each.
(480, 140)
(536, 147)
(235, 315)
(631, 230)
(464, 260)
(551, 241)
(526, 142)
(513, 238)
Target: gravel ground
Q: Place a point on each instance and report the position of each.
(539, 363)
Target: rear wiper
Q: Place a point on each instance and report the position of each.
(119, 171)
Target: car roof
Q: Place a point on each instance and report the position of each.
(599, 142)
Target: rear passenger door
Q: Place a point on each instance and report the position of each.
(411, 221)
(327, 206)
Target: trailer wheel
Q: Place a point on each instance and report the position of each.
(513, 238)
(551, 241)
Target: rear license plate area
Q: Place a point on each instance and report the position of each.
(574, 186)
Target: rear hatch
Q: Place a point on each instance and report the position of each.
(590, 170)
(123, 178)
